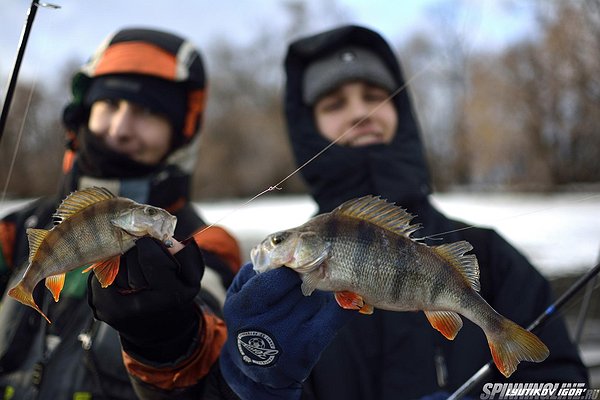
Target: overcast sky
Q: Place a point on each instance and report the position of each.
(74, 30)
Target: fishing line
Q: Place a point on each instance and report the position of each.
(12, 84)
(498, 221)
(18, 143)
(277, 186)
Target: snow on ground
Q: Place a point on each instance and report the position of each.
(560, 233)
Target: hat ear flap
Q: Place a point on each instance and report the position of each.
(75, 113)
(193, 118)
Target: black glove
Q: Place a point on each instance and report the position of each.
(151, 302)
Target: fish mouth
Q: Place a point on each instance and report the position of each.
(168, 227)
(260, 260)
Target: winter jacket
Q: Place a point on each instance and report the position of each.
(391, 355)
(78, 357)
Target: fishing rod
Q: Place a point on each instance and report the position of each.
(476, 379)
(17, 65)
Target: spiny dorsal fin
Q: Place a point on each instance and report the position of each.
(35, 237)
(467, 265)
(381, 213)
(79, 200)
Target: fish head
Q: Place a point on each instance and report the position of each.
(144, 220)
(301, 251)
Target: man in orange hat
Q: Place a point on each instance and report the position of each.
(132, 125)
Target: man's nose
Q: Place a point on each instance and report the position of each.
(122, 121)
(359, 110)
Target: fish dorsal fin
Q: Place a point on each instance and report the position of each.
(35, 237)
(79, 200)
(454, 253)
(381, 213)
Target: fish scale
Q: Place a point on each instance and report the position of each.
(362, 251)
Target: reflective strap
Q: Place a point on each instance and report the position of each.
(37, 374)
(7, 392)
(82, 396)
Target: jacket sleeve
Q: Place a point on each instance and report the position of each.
(222, 257)
(195, 376)
(521, 293)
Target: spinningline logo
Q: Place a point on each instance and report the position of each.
(537, 391)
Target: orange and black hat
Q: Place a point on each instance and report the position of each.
(157, 69)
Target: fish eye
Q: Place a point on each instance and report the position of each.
(150, 211)
(277, 239)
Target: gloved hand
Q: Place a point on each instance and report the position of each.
(275, 333)
(151, 301)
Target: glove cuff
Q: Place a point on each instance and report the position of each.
(246, 388)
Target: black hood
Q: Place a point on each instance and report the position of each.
(397, 172)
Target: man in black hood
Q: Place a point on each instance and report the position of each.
(133, 124)
(389, 354)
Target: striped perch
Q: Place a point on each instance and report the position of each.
(363, 252)
(95, 227)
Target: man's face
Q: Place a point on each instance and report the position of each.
(131, 129)
(361, 104)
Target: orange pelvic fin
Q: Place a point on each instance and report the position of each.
(447, 322)
(349, 300)
(55, 284)
(366, 309)
(106, 270)
(24, 296)
(513, 345)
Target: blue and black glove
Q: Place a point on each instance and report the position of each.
(151, 302)
(275, 333)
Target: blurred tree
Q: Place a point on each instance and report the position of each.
(525, 116)
(437, 64)
(30, 154)
(532, 112)
(245, 148)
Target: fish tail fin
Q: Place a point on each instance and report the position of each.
(514, 344)
(24, 296)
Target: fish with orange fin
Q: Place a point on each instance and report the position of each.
(363, 252)
(93, 227)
